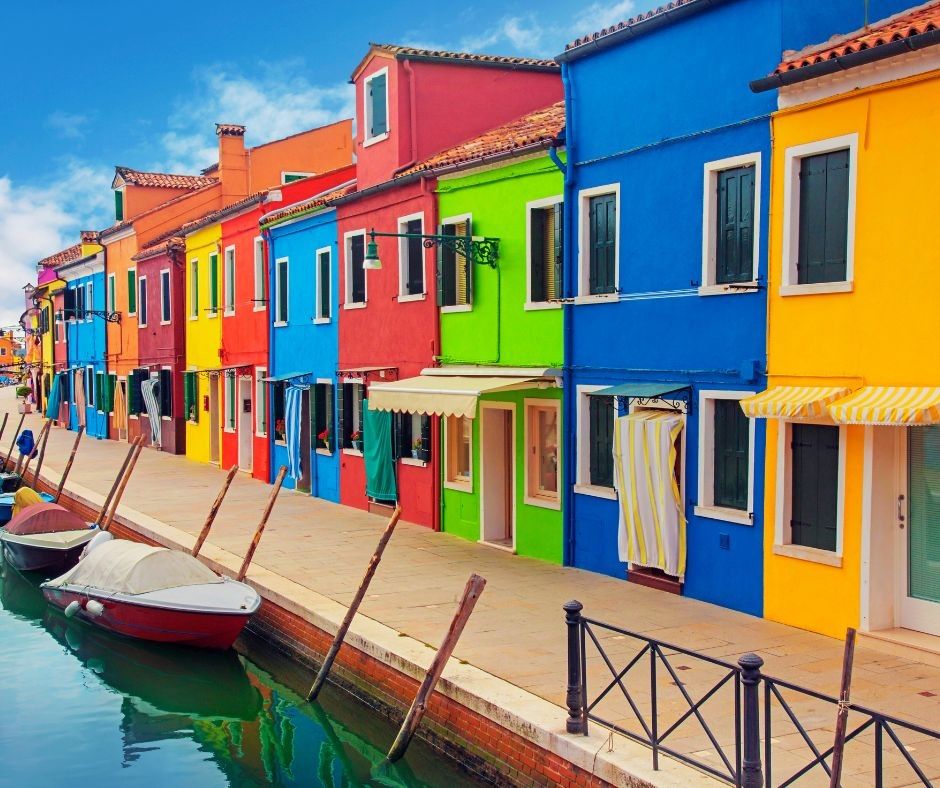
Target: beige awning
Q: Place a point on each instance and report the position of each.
(441, 395)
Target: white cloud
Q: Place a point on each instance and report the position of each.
(600, 15)
(68, 124)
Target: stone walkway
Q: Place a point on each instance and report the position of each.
(517, 631)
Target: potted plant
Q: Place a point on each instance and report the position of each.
(324, 438)
(356, 440)
(416, 445)
(22, 394)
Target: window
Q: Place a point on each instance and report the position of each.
(324, 285)
(458, 442)
(599, 242)
(89, 299)
(355, 273)
(349, 408)
(290, 177)
(261, 402)
(43, 321)
(230, 280)
(230, 382)
(546, 250)
(213, 284)
(165, 392)
(132, 291)
(135, 399)
(112, 299)
(410, 258)
(280, 291)
(80, 302)
(142, 315)
(278, 392)
(191, 396)
(600, 441)
(118, 205)
(819, 216)
(260, 299)
(454, 277)
(194, 289)
(730, 228)
(376, 109)
(165, 308)
(90, 388)
(725, 451)
(814, 485)
(413, 435)
(322, 407)
(542, 438)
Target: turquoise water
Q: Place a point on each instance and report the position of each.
(83, 708)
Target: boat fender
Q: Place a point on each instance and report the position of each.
(96, 540)
(94, 608)
(72, 608)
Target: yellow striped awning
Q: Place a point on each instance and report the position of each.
(889, 405)
(442, 395)
(792, 402)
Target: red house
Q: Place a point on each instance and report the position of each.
(410, 104)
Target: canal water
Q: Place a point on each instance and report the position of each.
(81, 707)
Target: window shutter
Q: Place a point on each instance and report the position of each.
(360, 396)
(426, 438)
(823, 231)
(601, 440)
(118, 205)
(213, 282)
(99, 383)
(558, 236)
(328, 413)
(415, 273)
(442, 229)
(603, 239)
(324, 284)
(341, 440)
(133, 392)
(731, 444)
(356, 271)
(815, 471)
(377, 101)
(131, 292)
(464, 271)
(166, 392)
(68, 303)
(734, 249)
(537, 233)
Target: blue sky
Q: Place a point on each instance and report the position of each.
(86, 86)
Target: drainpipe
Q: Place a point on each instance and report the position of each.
(436, 441)
(269, 245)
(413, 112)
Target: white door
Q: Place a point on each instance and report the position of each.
(244, 416)
(919, 532)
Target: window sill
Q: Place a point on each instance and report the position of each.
(213, 315)
(257, 308)
(352, 452)
(406, 297)
(813, 554)
(374, 140)
(280, 443)
(141, 325)
(536, 306)
(413, 462)
(324, 452)
(355, 305)
(165, 322)
(739, 288)
(597, 491)
(322, 321)
(457, 308)
(261, 435)
(543, 503)
(279, 324)
(725, 514)
(464, 487)
(600, 298)
(194, 317)
(818, 288)
(228, 430)
(228, 313)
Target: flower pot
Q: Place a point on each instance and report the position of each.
(415, 454)
(24, 407)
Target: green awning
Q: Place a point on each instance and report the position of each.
(640, 390)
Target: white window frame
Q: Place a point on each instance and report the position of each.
(90, 300)
(98, 404)
(261, 396)
(347, 267)
(166, 296)
(213, 313)
(583, 484)
(784, 495)
(137, 295)
(331, 406)
(793, 157)
(545, 202)
(319, 319)
(709, 285)
(584, 243)
(705, 506)
(228, 283)
(91, 401)
(463, 217)
(143, 311)
(277, 292)
(461, 486)
(367, 110)
(260, 302)
(230, 398)
(110, 295)
(402, 257)
(285, 174)
(355, 418)
(193, 288)
(530, 404)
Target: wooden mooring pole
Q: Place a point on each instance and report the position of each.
(3, 427)
(842, 716)
(324, 671)
(468, 601)
(264, 521)
(39, 440)
(137, 449)
(42, 456)
(68, 465)
(210, 518)
(117, 480)
(13, 445)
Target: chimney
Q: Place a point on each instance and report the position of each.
(233, 162)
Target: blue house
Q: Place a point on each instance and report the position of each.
(665, 276)
(304, 355)
(87, 380)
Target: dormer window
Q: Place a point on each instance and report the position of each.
(119, 205)
(376, 107)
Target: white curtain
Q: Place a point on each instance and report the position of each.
(150, 389)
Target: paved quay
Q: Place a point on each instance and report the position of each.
(517, 632)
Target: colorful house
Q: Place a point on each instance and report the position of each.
(388, 319)
(501, 340)
(853, 400)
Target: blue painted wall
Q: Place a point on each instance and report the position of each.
(301, 345)
(648, 114)
(87, 345)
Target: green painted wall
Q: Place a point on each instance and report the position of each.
(500, 331)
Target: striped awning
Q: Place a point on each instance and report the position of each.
(792, 402)
(889, 405)
(439, 395)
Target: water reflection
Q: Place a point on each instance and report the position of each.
(228, 715)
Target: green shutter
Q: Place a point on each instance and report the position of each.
(282, 294)
(118, 205)
(601, 440)
(441, 252)
(731, 449)
(602, 243)
(324, 263)
(824, 212)
(214, 283)
(734, 248)
(537, 260)
(377, 90)
(341, 441)
(815, 485)
(131, 292)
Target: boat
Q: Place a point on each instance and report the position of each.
(8, 501)
(45, 537)
(153, 593)
(10, 482)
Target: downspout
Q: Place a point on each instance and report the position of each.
(413, 113)
(269, 246)
(436, 438)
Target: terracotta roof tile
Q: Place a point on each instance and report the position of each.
(403, 52)
(908, 24)
(65, 256)
(631, 22)
(537, 129)
(109, 231)
(163, 179)
(310, 204)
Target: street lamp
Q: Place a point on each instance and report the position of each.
(475, 249)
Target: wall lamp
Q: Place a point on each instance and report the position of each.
(475, 249)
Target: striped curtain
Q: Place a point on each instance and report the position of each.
(293, 399)
(149, 389)
(79, 397)
(652, 521)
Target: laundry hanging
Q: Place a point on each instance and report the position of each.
(293, 416)
(652, 522)
(80, 396)
(149, 390)
(120, 407)
(52, 405)
(377, 451)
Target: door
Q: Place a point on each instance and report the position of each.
(303, 483)
(919, 575)
(245, 437)
(214, 383)
(497, 458)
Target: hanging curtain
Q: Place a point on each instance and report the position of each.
(52, 406)
(120, 407)
(293, 415)
(150, 390)
(377, 451)
(79, 397)
(652, 521)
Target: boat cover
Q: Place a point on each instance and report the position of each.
(45, 518)
(131, 568)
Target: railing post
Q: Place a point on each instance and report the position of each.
(751, 773)
(575, 696)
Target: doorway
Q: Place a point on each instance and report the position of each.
(214, 383)
(498, 474)
(245, 437)
(303, 483)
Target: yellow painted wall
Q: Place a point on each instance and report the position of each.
(203, 334)
(880, 333)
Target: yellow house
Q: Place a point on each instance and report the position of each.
(203, 343)
(852, 500)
